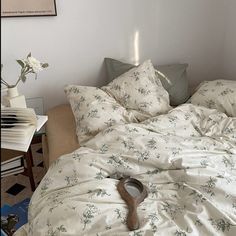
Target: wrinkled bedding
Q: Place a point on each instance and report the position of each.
(186, 158)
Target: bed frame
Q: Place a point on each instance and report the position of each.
(60, 137)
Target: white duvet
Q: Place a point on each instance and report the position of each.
(186, 158)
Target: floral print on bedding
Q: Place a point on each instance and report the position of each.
(217, 94)
(94, 110)
(186, 158)
(140, 91)
(132, 97)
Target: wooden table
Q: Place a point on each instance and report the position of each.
(26, 150)
(29, 163)
(28, 170)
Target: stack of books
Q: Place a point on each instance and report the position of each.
(12, 162)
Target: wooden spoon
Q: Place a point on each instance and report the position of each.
(133, 193)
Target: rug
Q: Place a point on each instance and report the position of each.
(16, 188)
(13, 217)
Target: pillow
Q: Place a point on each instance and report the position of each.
(132, 97)
(140, 91)
(116, 68)
(94, 110)
(217, 94)
(173, 78)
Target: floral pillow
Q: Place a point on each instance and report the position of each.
(132, 97)
(140, 91)
(94, 110)
(173, 77)
(217, 94)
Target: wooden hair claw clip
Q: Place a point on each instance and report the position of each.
(133, 193)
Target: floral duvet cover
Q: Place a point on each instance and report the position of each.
(186, 158)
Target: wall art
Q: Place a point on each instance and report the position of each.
(16, 8)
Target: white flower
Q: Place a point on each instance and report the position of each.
(34, 64)
(28, 65)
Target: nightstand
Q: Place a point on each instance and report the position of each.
(26, 149)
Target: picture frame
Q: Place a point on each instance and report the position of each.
(28, 8)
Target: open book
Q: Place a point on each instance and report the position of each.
(18, 126)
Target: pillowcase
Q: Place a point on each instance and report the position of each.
(132, 97)
(173, 78)
(217, 94)
(116, 68)
(94, 110)
(140, 91)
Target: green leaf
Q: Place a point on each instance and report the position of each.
(21, 63)
(44, 65)
(29, 55)
(23, 78)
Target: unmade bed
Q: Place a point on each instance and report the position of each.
(185, 156)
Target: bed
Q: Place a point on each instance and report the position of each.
(185, 156)
(60, 135)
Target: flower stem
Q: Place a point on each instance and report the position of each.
(4, 82)
(17, 82)
(23, 73)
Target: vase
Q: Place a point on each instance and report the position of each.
(14, 99)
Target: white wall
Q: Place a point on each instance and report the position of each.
(229, 59)
(191, 31)
(75, 42)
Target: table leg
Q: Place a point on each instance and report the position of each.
(31, 156)
(28, 156)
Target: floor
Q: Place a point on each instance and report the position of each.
(16, 188)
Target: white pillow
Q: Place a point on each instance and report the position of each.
(132, 97)
(217, 94)
(140, 91)
(94, 110)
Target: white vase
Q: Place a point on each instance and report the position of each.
(13, 99)
(12, 92)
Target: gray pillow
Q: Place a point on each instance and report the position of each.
(173, 78)
(116, 68)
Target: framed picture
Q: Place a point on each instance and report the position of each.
(16, 8)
